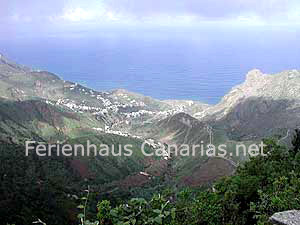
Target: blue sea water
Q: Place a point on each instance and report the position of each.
(198, 64)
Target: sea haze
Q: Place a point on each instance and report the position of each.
(189, 63)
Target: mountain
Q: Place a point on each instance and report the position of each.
(22, 119)
(117, 108)
(38, 105)
(262, 106)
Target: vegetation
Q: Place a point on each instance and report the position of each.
(46, 189)
(37, 105)
(260, 187)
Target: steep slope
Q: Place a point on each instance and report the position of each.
(27, 119)
(56, 109)
(263, 105)
(182, 129)
(119, 109)
(200, 168)
(38, 105)
(256, 118)
(48, 187)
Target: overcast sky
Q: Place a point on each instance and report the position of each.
(16, 13)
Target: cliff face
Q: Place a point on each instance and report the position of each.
(261, 106)
(282, 86)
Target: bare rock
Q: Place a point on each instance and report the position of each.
(286, 218)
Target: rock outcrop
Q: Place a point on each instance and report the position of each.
(286, 218)
(264, 105)
(282, 86)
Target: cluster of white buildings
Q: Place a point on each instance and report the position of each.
(77, 107)
(106, 102)
(108, 106)
(139, 113)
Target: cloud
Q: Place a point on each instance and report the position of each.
(78, 14)
(149, 11)
(206, 9)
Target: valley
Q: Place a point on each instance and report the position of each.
(39, 106)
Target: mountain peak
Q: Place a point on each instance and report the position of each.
(254, 75)
(284, 85)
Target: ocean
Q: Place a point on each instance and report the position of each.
(201, 63)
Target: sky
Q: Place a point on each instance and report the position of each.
(37, 15)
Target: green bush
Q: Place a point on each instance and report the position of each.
(138, 211)
(261, 187)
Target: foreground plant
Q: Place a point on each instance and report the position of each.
(83, 207)
(138, 211)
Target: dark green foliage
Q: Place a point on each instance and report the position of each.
(261, 187)
(138, 211)
(47, 187)
(33, 188)
(104, 209)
